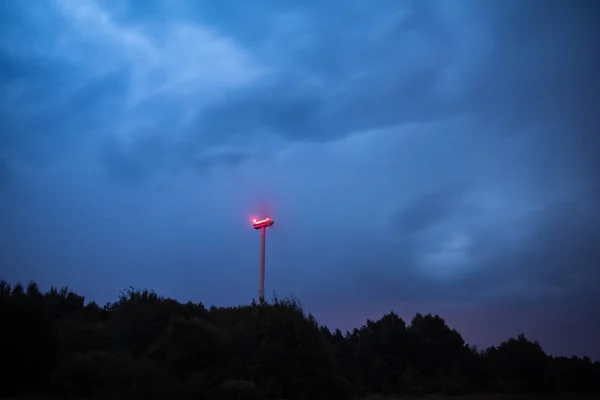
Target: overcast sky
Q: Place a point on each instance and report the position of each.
(433, 156)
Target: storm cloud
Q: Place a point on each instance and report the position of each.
(429, 156)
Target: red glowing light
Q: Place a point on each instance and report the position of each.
(263, 223)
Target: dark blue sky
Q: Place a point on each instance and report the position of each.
(433, 156)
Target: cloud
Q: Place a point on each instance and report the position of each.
(338, 82)
(424, 211)
(102, 74)
(415, 155)
(557, 259)
(189, 59)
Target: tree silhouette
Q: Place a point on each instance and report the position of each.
(144, 346)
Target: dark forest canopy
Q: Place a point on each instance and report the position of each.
(144, 346)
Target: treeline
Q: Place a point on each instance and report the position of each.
(144, 346)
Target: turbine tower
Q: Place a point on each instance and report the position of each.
(263, 224)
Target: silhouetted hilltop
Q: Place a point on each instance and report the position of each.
(144, 346)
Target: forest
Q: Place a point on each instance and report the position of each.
(144, 346)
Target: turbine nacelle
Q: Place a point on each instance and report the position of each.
(263, 223)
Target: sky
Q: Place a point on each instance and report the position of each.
(416, 156)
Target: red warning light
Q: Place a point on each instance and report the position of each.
(263, 223)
